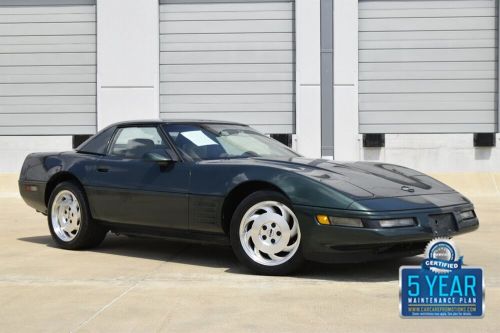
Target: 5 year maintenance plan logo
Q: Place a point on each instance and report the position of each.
(441, 286)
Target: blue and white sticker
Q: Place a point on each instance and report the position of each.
(441, 286)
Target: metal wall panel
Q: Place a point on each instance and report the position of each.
(229, 60)
(428, 66)
(47, 67)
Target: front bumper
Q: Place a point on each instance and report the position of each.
(335, 244)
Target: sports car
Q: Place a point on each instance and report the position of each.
(212, 181)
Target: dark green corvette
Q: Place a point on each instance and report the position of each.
(224, 182)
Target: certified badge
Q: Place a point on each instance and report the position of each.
(441, 286)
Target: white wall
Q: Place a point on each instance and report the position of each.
(435, 153)
(345, 79)
(13, 149)
(308, 76)
(127, 60)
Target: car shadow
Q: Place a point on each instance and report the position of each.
(217, 256)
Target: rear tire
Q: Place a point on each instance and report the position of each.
(265, 234)
(69, 219)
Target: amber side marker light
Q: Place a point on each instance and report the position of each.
(323, 219)
(339, 221)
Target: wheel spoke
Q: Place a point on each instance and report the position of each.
(284, 213)
(268, 209)
(289, 247)
(295, 228)
(274, 256)
(253, 217)
(248, 235)
(257, 253)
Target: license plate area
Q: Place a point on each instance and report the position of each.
(443, 224)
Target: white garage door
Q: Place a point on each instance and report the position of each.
(229, 61)
(47, 67)
(428, 66)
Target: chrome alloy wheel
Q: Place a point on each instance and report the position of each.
(270, 233)
(66, 216)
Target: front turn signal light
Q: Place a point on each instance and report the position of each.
(339, 221)
(323, 219)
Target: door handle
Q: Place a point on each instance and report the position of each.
(102, 169)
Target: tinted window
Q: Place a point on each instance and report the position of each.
(98, 143)
(220, 141)
(135, 142)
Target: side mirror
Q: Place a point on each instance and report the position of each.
(160, 159)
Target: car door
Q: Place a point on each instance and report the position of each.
(132, 188)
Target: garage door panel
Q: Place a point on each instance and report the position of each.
(47, 130)
(226, 107)
(425, 105)
(47, 100)
(35, 119)
(427, 66)
(414, 36)
(37, 40)
(427, 97)
(434, 23)
(271, 128)
(227, 46)
(426, 75)
(271, 118)
(226, 68)
(46, 70)
(229, 61)
(47, 67)
(227, 15)
(47, 108)
(47, 48)
(429, 12)
(224, 57)
(167, 99)
(226, 87)
(244, 26)
(428, 62)
(422, 55)
(426, 117)
(426, 44)
(36, 29)
(34, 89)
(226, 37)
(441, 4)
(40, 8)
(428, 128)
(28, 59)
(252, 6)
(47, 18)
(58, 78)
(228, 77)
(426, 86)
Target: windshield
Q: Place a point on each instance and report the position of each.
(221, 141)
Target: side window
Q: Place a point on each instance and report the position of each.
(135, 142)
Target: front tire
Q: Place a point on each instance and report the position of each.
(265, 234)
(69, 219)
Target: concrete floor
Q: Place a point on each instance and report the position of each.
(151, 285)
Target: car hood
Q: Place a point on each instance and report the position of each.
(363, 179)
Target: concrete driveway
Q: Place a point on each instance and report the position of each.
(137, 285)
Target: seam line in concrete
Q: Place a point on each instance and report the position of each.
(117, 298)
(82, 324)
